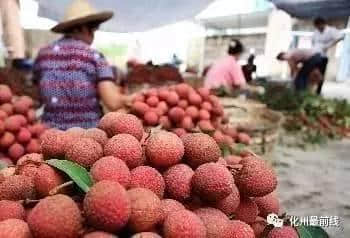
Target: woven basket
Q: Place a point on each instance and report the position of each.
(254, 118)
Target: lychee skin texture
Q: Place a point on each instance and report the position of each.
(5, 94)
(8, 108)
(267, 204)
(187, 123)
(140, 108)
(125, 147)
(206, 126)
(164, 149)
(46, 179)
(215, 222)
(55, 216)
(200, 148)
(28, 164)
(23, 135)
(145, 209)
(183, 104)
(17, 187)
(212, 182)
(255, 179)
(239, 229)
(283, 232)
(14, 228)
(54, 143)
(147, 177)
(176, 114)
(178, 182)
(113, 216)
(16, 151)
(182, 90)
(179, 131)
(258, 226)
(152, 101)
(151, 118)
(193, 112)
(165, 122)
(204, 114)
(114, 123)
(97, 134)
(204, 93)
(169, 205)
(11, 210)
(146, 235)
(229, 204)
(99, 234)
(233, 159)
(7, 139)
(183, 223)
(33, 146)
(112, 169)
(247, 211)
(194, 99)
(12, 124)
(172, 99)
(85, 151)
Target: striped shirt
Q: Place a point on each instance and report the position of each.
(69, 71)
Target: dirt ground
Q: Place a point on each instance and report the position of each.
(315, 182)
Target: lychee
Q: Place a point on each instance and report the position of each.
(85, 152)
(212, 182)
(14, 228)
(145, 209)
(200, 148)
(112, 169)
(125, 147)
(11, 210)
(174, 225)
(147, 177)
(114, 123)
(178, 182)
(216, 222)
(255, 179)
(55, 216)
(164, 149)
(111, 217)
(247, 211)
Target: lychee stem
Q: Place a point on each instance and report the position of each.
(55, 190)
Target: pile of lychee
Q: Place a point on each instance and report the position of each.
(181, 108)
(146, 185)
(19, 129)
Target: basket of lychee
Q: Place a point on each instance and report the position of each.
(19, 129)
(182, 109)
(118, 181)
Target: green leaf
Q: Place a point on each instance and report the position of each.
(3, 165)
(77, 173)
(225, 150)
(311, 232)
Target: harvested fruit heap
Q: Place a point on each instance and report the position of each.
(20, 131)
(182, 109)
(142, 185)
(314, 117)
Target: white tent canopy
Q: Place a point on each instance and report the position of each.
(132, 15)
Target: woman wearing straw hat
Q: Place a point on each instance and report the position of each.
(73, 77)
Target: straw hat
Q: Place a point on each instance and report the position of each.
(78, 13)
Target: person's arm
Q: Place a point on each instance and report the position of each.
(237, 77)
(111, 95)
(337, 36)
